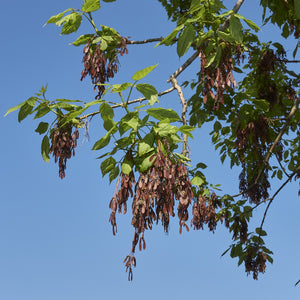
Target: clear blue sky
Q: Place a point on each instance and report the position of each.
(55, 238)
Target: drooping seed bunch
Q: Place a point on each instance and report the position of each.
(217, 79)
(204, 212)
(255, 261)
(99, 66)
(154, 198)
(63, 143)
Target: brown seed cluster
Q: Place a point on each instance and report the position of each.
(204, 212)
(119, 200)
(98, 66)
(216, 80)
(154, 198)
(255, 261)
(63, 143)
(240, 229)
(252, 142)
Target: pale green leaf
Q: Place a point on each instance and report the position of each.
(70, 23)
(106, 111)
(160, 114)
(146, 144)
(117, 88)
(56, 18)
(12, 109)
(143, 73)
(82, 40)
(149, 92)
(198, 181)
(126, 168)
(146, 163)
(90, 5)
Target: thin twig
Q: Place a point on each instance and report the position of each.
(281, 166)
(144, 41)
(141, 99)
(184, 110)
(276, 193)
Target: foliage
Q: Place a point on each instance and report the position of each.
(255, 120)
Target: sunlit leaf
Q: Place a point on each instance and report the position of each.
(143, 73)
(90, 5)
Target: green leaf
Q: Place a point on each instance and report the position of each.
(56, 18)
(12, 109)
(217, 126)
(198, 181)
(297, 8)
(104, 141)
(106, 111)
(182, 157)
(108, 124)
(185, 40)
(45, 148)
(161, 114)
(146, 164)
(169, 39)
(201, 166)
(164, 129)
(90, 5)
(107, 165)
(226, 37)
(117, 88)
(186, 129)
(146, 144)
(250, 23)
(70, 23)
(41, 112)
(126, 167)
(130, 120)
(149, 92)
(236, 29)
(143, 73)
(285, 31)
(42, 128)
(262, 104)
(82, 40)
(279, 174)
(114, 173)
(24, 111)
(260, 231)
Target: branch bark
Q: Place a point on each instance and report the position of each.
(184, 110)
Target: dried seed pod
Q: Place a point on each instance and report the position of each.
(63, 143)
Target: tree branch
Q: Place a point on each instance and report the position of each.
(129, 102)
(276, 193)
(184, 110)
(144, 41)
